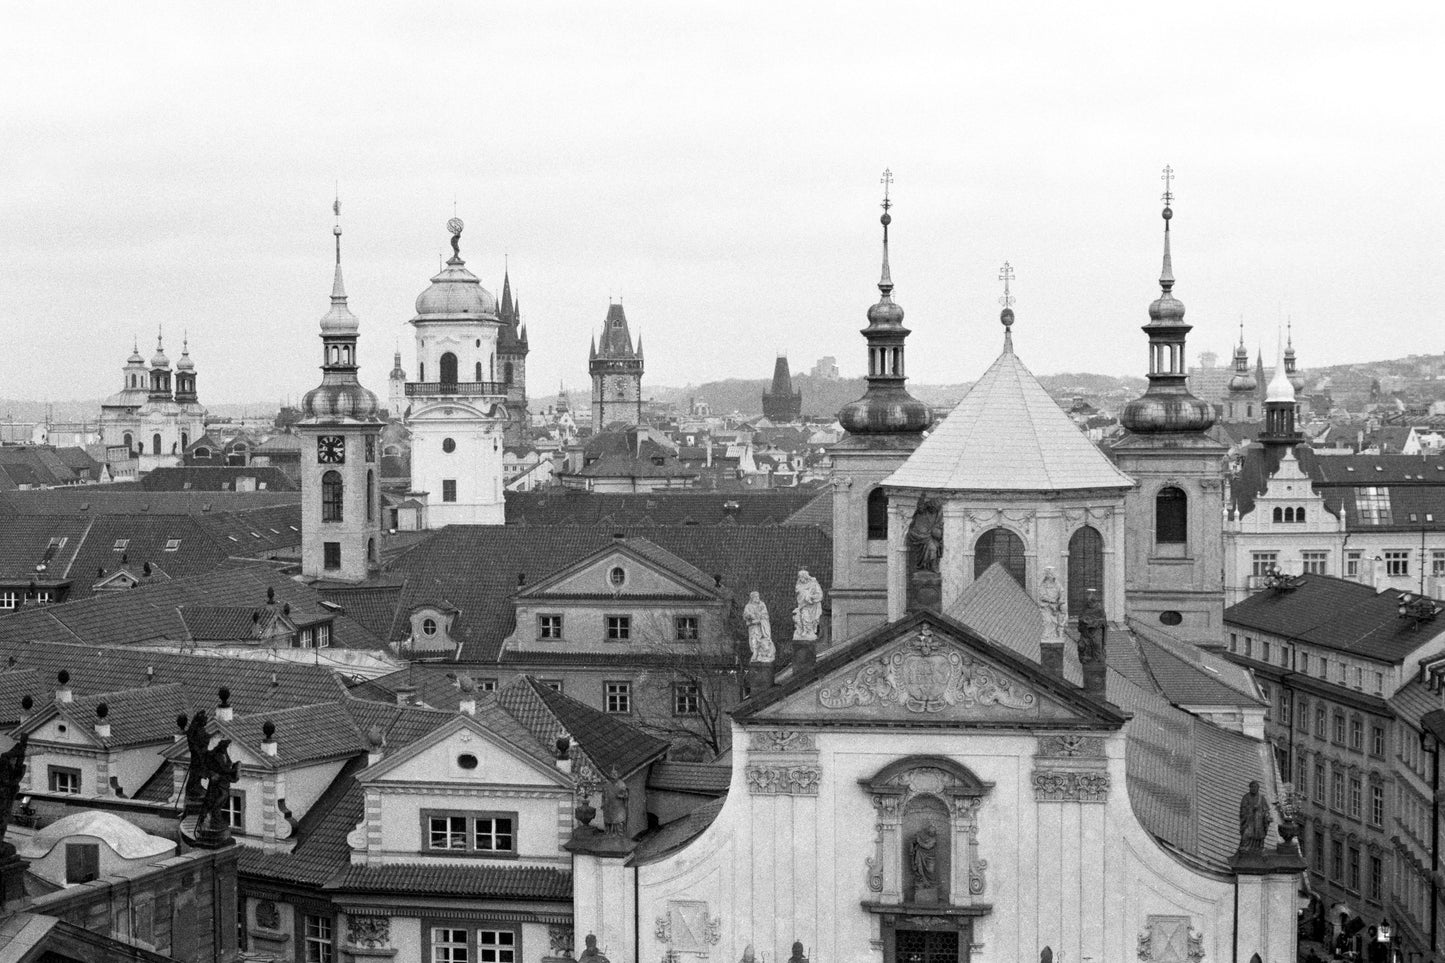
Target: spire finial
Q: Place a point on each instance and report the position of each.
(1166, 276)
(885, 283)
(1006, 316)
(160, 338)
(336, 209)
(455, 225)
(1168, 178)
(1289, 331)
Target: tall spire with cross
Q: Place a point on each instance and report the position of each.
(1006, 316)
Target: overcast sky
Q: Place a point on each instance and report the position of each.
(716, 166)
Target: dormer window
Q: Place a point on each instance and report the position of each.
(617, 577)
(120, 544)
(428, 627)
(173, 545)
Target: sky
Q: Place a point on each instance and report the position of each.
(716, 167)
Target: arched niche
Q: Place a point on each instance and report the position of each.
(915, 798)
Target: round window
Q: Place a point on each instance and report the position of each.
(1170, 618)
(429, 626)
(467, 761)
(617, 577)
(448, 445)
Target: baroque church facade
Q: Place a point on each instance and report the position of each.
(157, 412)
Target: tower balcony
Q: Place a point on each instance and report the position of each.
(456, 389)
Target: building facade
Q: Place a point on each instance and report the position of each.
(157, 413)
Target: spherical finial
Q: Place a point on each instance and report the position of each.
(886, 219)
(336, 230)
(182, 721)
(102, 710)
(64, 677)
(375, 739)
(1168, 213)
(225, 696)
(27, 703)
(268, 729)
(1006, 316)
(455, 225)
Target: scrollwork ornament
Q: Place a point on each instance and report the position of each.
(663, 931)
(368, 931)
(926, 675)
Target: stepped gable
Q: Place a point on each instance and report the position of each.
(1007, 434)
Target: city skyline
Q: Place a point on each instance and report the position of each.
(721, 180)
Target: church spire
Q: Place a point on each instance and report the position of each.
(339, 320)
(1006, 316)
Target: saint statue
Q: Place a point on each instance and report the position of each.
(809, 611)
(925, 534)
(1092, 625)
(1254, 820)
(1051, 600)
(592, 954)
(614, 804)
(923, 857)
(12, 771)
(760, 629)
(222, 773)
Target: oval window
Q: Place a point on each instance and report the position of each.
(429, 626)
(448, 445)
(1170, 618)
(467, 761)
(617, 577)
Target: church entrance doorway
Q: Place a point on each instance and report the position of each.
(927, 946)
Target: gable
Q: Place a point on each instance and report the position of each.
(441, 758)
(929, 671)
(639, 578)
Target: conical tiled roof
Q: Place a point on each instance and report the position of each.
(1007, 434)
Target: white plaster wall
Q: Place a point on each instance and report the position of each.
(475, 464)
(536, 825)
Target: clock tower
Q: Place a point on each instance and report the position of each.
(340, 458)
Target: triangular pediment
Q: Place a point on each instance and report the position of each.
(463, 752)
(631, 568)
(927, 669)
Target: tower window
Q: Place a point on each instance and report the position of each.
(1086, 567)
(877, 514)
(449, 445)
(1171, 516)
(507, 372)
(1001, 546)
(370, 495)
(449, 489)
(331, 495)
(156, 443)
(331, 555)
(479, 371)
(448, 368)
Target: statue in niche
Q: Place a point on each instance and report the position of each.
(809, 610)
(1254, 820)
(1051, 600)
(1093, 623)
(923, 857)
(614, 804)
(592, 954)
(760, 629)
(925, 536)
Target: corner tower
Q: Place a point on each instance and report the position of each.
(616, 369)
(782, 405)
(458, 403)
(339, 426)
(1173, 553)
(882, 429)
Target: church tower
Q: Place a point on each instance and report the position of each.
(616, 369)
(882, 429)
(339, 427)
(457, 421)
(396, 388)
(1281, 426)
(1242, 403)
(1174, 560)
(512, 362)
(782, 405)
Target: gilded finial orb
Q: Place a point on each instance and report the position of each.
(1006, 316)
(455, 225)
(1168, 213)
(886, 219)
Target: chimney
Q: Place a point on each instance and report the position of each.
(375, 745)
(468, 702)
(64, 693)
(224, 713)
(405, 694)
(268, 738)
(181, 723)
(564, 753)
(102, 720)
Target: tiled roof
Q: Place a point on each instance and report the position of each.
(1335, 614)
(26, 543)
(374, 606)
(216, 478)
(996, 606)
(1416, 484)
(607, 740)
(17, 683)
(226, 623)
(702, 778)
(475, 569)
(1187, 675)
(137, 716)
(571, 507)
(1007, 434)
(255, 531)
(673, 836)
(303, 734)
(152, 612)
(255, 685)
(109, 500)
(1415, 698)
(476, 882)
(818, 511)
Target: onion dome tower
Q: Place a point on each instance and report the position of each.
(160, 371)
(185, 375)
(1243, 388)
(1280, 426)
(340, 422)
(1296, 377)
(882, 429)
(1174, 551)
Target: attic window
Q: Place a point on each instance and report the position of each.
(428, 627)
(173, 545)
(185, 486)
(617, 577)
(57, 543)
(120, 544)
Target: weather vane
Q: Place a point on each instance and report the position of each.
(1006, 274)
(887, 181)
(1168, 178)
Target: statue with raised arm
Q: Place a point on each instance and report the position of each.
(760, 629)
(1051, 601)
(809, 610)
(221, 774)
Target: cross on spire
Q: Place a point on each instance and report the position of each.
(1168, 178)
(887, 181)
(1006, 274)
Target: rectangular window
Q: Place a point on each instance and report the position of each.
(618, 697)
(82, 862)
(449, 489)
(496, 946)
(1339, 728)
(1352, 564)
(619, 628)
(1377, 805)
(1337, 860)
(1262, 563)
(1304, 662)
(493, 834)
(9, 599)
(331, 555)
(554, 684)
(1355, 794)
(479, 834)
(1354, 880)
(120, 544)
(1315, 563)
(1379, 683)
(1248, 647)
(1357, 734)
(1377, 877)
(1319, 782)
(1397, 562)
(449, 945)
(686, 700)
(447, 832)
(1372, 506)
(1286, 707)
(487, 684)
(1377, 741)
(1317, 853)
(686, 628)
(1264, 649)
(1320, 721)
(1301, 776)
(44, 596)
(318, 945)
(64, 779)
(1437, 563)
(236, 811)
(173, 545)
(1233, 642)
(549, 626)
(323, 635)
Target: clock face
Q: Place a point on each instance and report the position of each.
(331, 449)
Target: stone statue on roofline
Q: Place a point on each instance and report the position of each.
(925, 535)
(12, 771)
(1254, 820)
(1051, 601)
(760, 629)
(809, 610)
(592, 954)
(614, 803)
(1093, 624)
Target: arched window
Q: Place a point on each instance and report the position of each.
(370, 495)
(479, 371)
(202, 452)
(421, 371)
(1278, 514)
(371, 550)
(1299, 514)
(877, 514)
(507, 372)
(1086, 567)
(156, 443)
(1171, 516)
(185, 440)
(331, 491)
(129, 441)
(449, 368)
(1002, 546)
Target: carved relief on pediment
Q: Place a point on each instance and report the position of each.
(926, 675)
